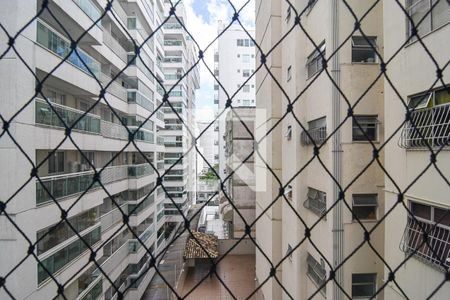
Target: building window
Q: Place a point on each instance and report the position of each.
(240, 42)
(288, 134)
(365, 206)
(317, 130)
(363, 50)
(317, 273)
(246, 73)
(56, 163)
(364, 285)
(314, 64)
(419, 9)
(429, 124)
(367, 130)
(289, 73)
(246, 102)
(246, 88)
(435, 221)
(316, 201)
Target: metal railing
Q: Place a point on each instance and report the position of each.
(428, 127)
(318, 135)
(45, 115)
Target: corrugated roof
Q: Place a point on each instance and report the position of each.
(209, 242)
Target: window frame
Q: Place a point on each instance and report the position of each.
(370, 46)
(315, 59)
(373, 284)
(412, 4)
(375, 206)
(375, 123)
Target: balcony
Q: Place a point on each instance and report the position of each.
(65, 185)
(112, 218)
(45, 115)
(318, 135)
(89, 8)
(173, 43)
(136, 97)
(172, 26)
(114, 131)
(60, 46)
(138, 171)
(114, 45)
(160, 140)
(114, 88)
(428, 127)
(134, 245)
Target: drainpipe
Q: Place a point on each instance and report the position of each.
(338, 229)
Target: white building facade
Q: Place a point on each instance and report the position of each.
(234, 66)
(99, 142)
(179, 132)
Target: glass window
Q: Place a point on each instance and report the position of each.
(363, 50)
(289, 73)
(245, 58)
(365, 206)
(364, 285)
(367, 129)
(246, 73)
(314, 64)
(246, 88)
(56, 163)
(419, 11)
(316, 272)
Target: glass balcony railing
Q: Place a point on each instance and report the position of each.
(60, 186)
(172, 26)
(160, 141)
(89, 9)
(48, 38)
(173, 43)
(173, 59)
(135, 96)
(160, 90)
(45, 115)
(160, 116)
(134, 245)
(172, 76)
(140, 170)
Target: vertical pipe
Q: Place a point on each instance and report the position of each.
(338, 230)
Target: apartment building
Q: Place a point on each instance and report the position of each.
(408, 154)
(68, 95)
(240, 161)
(179, 116)
(209, 143)
(234, 65)
(297, 64)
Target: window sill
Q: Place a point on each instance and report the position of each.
(426, 35)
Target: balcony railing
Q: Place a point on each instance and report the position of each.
(432, 126)
(61, 186)
(134, 96)
(160, 140)
(140, 170)
(114, 45)
(134, 244)
(172, 26)
(437, 251)
(114, 88)
(172, 43)
(111, 218)
(112, 130)
(318, 135)
(45, 115)
(59, 45)
(89, 9)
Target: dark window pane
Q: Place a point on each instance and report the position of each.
(421, 211)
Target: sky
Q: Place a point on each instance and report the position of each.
(202, 17)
